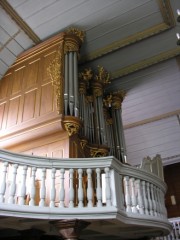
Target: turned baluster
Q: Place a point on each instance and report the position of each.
(156, 201)
(145, 198)
(71, 189)
(22, 191)
(133, 196)
(62, 190)
(43, 189)
(80, 189)
(164, 211)
(3, 182)
(108, 189)
(33, 187)
(13, 185)
(99, 189)
(89, 188)
(53, 190)
(127, 194)
(139, 197)
(175, 230)
(149, 200)
(160, 203)
(153, 199)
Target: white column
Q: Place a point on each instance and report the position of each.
(62, 190)
(33, 187)
(89, 188)
(3, 182)
(80, 189)
(22, 193)
(71, 188)
(99, 189)
(43, 189)
(53, 189)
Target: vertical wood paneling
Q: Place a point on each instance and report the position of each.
(17, 80)
(13, 110)
(46, 103)
(31, 78)
(2, 108)
(29, 105)
(4, 86)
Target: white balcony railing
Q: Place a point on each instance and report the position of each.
(44, 188)
(175, 233)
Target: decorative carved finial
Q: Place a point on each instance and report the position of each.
(55, 70)
(107, 100)
(114, 99)
(79, 33)
(86, 74)
(103, 76)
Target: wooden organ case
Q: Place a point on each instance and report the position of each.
(49, 108)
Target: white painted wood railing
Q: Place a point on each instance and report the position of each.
(61, 188)
(175, 233)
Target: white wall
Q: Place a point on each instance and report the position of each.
(153, 94)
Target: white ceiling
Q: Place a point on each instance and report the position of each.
(109, 26)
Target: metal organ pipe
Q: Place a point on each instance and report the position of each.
(76, 100)
(71, 84)
(66, 85)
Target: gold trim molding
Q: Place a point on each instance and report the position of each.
(14, 15)
(169, 21)
(124, 42)
(145, 63)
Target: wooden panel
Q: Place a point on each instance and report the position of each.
(31, 74)
(4, 85)
(29, 105)
(13, 112)
(17, 80)
(2, 108)
(172, 179)
(57, 149)
(58, 153)
(30, 100)
(46, 103)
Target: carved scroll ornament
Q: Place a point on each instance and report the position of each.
(55, 70)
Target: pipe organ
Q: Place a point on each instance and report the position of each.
(86, 110)
(60, 104)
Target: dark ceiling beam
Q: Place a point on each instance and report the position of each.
(15, 16)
